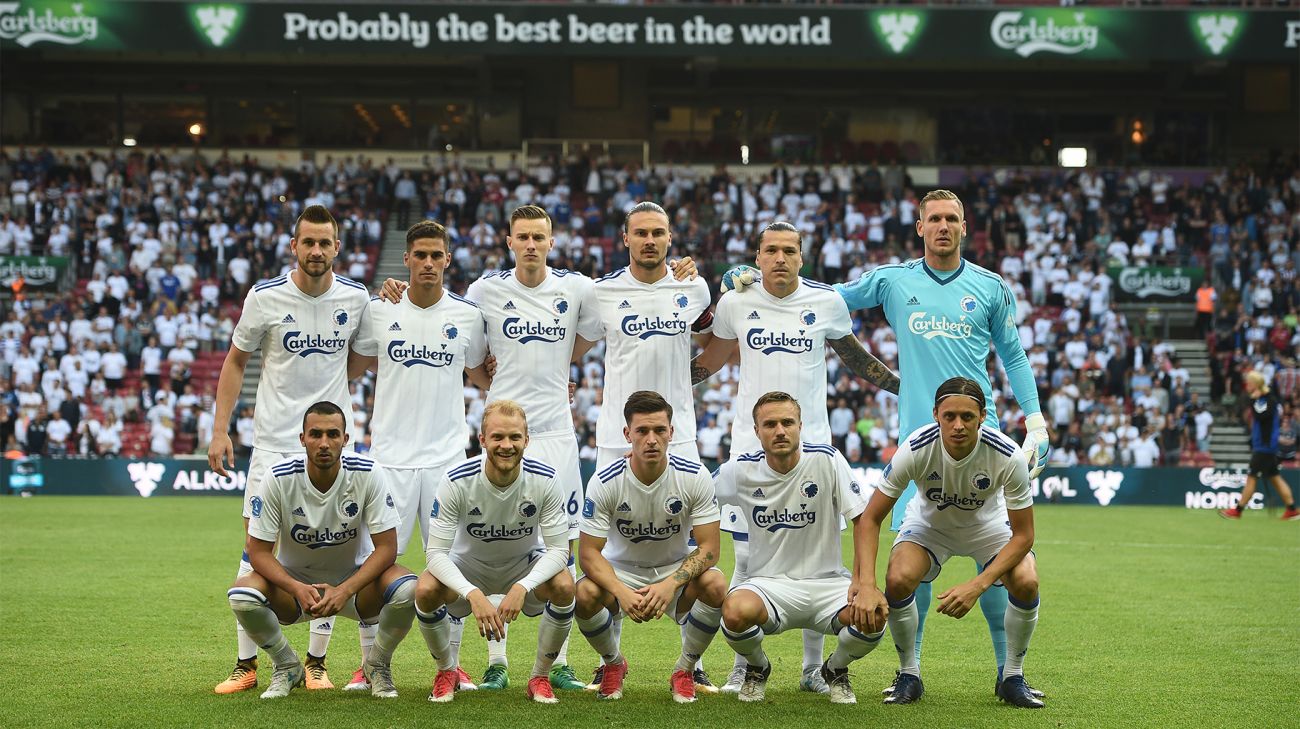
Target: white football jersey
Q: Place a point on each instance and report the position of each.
(304, 342)
(648, 525)
(974, 491)
(476, 519)
(782, 347)
(647, 330)
(419, 416)
(322, 536)
(794, 525)
(531, 333)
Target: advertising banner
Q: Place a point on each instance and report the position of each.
(1156, 284)
(39, 273)
(809, 32)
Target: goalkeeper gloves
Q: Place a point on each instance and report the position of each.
(738, 278)
(1037, 446)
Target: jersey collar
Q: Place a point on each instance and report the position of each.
(943, 282)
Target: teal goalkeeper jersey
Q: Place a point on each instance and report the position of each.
(944, 322)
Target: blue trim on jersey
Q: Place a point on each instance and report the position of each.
(469, 469)
(816, 284)
(684, 464)
(359, 465)
(612, 274)
(462, 299)
(374, 298)
(738, 536)
(349, 282)
(920, 443)
(388, 593)
(818, 448)
(271, 283)
(944, 282)
(923, 433)
(538, 467)
(1000, 437)
(539, 472)
(613, 471)
(997, 446)
(751, 456)
(561, 272)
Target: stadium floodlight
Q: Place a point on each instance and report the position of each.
(1073, 157)
(128, 141)
(196, 129)
(744, 154)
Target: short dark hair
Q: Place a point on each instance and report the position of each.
(781, 226)
(645, 402)
(426, 229)
(316, 214)
(324, 407)
(776, 396)
(530, 212)
(645, 207)
(961, 386)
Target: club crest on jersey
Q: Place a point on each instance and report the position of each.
(303, 345)
(417, 354)
(340, 317)
(527, 509)
(682, 301)
(388, 499)
(449, 331)
(350, 508)
(673, 505)
(808, 489)
(774, 521)
(772, 342)
(588, 508)
(853, 486)
(981, 481)
(641, 532)
(944, 501)
(437, 506)
(807, 317)
(255, 505)
(323, 537)
(528, 331)
(560, 305)
(968, 304)
(646, 327)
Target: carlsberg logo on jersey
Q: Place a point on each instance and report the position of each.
(965, 503)
(769, 342)
(1041, 32)
(317, 538)
(642, 532)
(930, 326)
(774, 521)
(417, 354)
(531, 331)
(499, 533)
(646, 327)
(308, 344)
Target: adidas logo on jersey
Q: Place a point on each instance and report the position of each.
(913, 302)
(758, 493)
(475, 512)
(934, 476)
(395, 327)
(288, 319)
(299, 512)
(752, 315)
(510, 306)
(624, 507)
(625, 305)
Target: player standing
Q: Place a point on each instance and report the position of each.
(324, 510)
(977, 504)
(303, 322)
(1266, 420)
(498, 526)
(636, 518)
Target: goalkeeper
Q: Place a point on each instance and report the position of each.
(945, 313)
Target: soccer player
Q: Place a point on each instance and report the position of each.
(419, 348)
(781, 330)
(977, 504)
(498, 526)
(794, 493)
(303, 322)
(946, 312)
(324, 510)
(1266, 418)
(637, 515)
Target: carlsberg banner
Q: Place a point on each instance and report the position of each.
(1075, 34)
(1159, 284)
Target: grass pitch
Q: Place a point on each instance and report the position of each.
(116, 616)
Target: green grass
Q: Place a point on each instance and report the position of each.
(115, 615)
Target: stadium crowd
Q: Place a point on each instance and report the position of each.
(164, 247)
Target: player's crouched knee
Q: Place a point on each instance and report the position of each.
(738, 611)
(561, 588)
(427, 592)
(401, 593)
(243, 599)
(713, 588)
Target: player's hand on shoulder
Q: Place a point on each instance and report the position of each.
(683, 268)
(392, 290)
(737, 278)
(959, 599)
(220, 452)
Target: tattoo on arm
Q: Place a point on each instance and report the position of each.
(864, 364)
(693, 566)
(699, 373)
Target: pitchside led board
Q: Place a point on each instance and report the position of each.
(1194, 488)
(812, 32)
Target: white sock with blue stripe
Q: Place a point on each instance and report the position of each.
(253, 611)
(394, 620)
(599, 631)
(436, 629)
(697, 633)
(852, 646)
(552, 633)
(1020, 622)
(903, 619)
(748, 644)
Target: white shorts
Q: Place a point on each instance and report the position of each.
(686, 449)
(807, 604)
(496, 579)
(413, 491)
(560, 451)
(981, 543)
(638, 577)
(257, 467)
